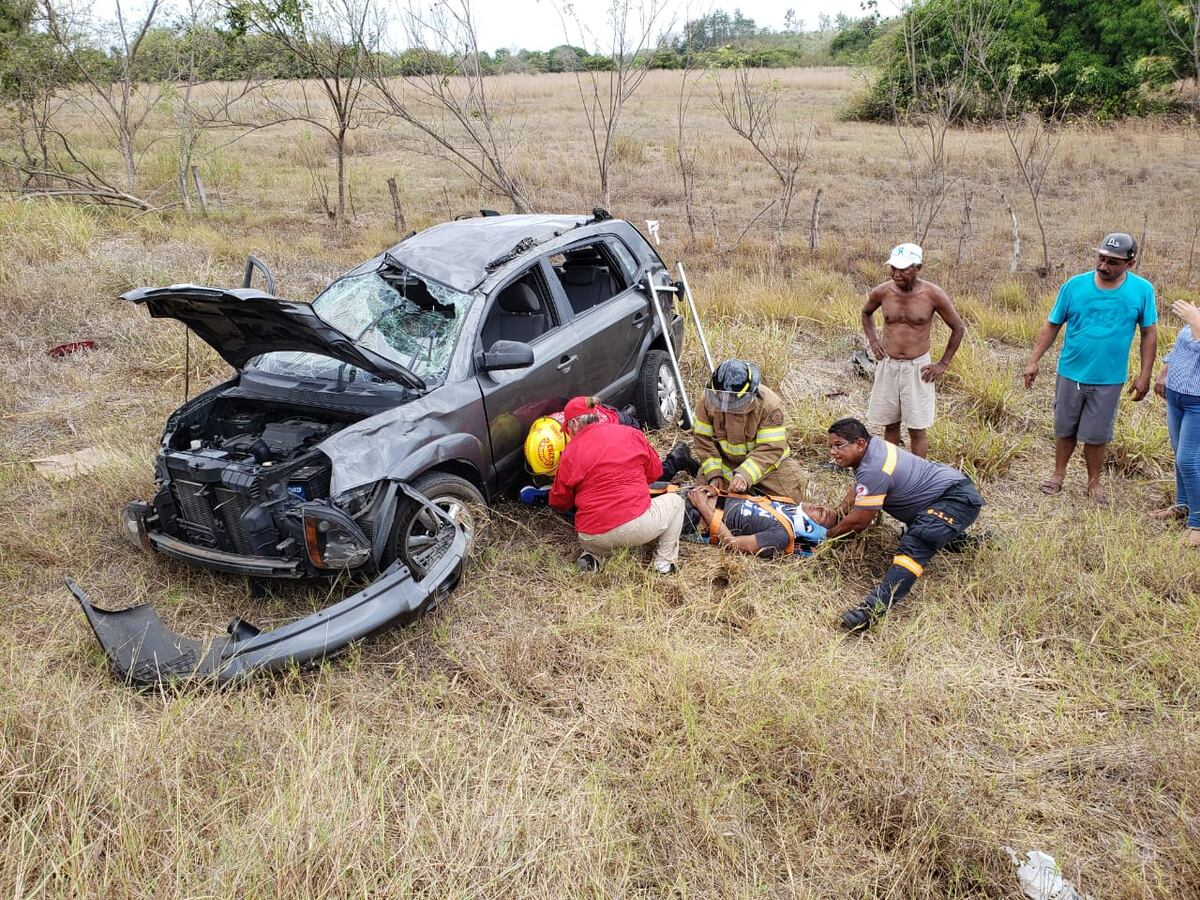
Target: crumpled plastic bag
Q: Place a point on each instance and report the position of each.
(1041, 878)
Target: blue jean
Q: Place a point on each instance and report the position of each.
(1183, 424)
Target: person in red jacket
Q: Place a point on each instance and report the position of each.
(604, 473)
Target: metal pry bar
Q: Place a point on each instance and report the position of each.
(687, 292)
(690, 419)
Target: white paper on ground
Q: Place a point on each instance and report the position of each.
(1041, 878)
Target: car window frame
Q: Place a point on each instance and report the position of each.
(602, 240)
(554, 304)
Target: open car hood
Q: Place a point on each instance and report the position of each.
(243, 323)
(144, 652)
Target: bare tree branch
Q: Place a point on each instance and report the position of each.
(634, 28)
(750, 106)
(451, 102)
(1183, 24)
(118, 107)
(943, 86)
(331, 41)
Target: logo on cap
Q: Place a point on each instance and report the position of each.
(905, 255)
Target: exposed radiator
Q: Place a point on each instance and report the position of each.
(231, 505)
(196, 512)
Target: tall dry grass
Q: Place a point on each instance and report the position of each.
(545, 735)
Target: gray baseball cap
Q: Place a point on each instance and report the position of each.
(1118, 245)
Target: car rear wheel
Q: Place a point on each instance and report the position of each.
(419, 538)
(657, 399)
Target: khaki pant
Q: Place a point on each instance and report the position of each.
(662, 523)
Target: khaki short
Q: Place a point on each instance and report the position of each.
(899, 394)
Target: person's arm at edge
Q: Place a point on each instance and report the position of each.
(650, 460)
(747, 544)
(771, 446)
(1160, 383)
(704, 445)
(1149, 352)
(850, 519)
(853, 522)
(1045, 338)
(958, 329)
(1148, 345)
(562, 491)
(874, 301)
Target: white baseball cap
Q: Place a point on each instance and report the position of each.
(905, 255)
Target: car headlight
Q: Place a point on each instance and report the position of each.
(333, 544)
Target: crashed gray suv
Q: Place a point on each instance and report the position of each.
(365, 431)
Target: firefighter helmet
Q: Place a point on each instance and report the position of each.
(544, 445)
(733, 386)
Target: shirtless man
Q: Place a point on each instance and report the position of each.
(903, 389)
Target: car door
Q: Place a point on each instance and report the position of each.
(611, 316)
(514, 399)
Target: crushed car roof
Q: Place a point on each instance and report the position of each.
(457, 253)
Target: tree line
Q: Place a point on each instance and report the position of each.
(1082, 58)
(224, 49)
(337, 65)
(230, 67)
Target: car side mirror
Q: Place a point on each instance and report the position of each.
(506, 355)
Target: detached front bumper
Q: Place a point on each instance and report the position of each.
(143, 651)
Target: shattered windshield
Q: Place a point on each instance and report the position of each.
(392, 311)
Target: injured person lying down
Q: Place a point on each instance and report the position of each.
(756, 525)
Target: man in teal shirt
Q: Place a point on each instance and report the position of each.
(1101, 310)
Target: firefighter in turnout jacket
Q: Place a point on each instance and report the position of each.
(740, 436)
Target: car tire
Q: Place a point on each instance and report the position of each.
(657, 397)
(418, 538)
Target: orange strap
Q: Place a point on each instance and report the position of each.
(715, 525)
(761, 503)
(668, 489)
(764, 503)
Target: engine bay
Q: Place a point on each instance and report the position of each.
(255, 434)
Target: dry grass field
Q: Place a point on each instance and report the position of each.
(712, 734)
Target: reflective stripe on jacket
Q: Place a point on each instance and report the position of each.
(751, 443)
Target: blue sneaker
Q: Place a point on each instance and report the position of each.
(534, 496)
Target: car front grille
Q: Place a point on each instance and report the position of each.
(212, 515)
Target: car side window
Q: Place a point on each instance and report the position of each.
(522, 311)
(590, 274)
(625, 256)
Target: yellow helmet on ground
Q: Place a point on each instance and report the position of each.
(544, 445)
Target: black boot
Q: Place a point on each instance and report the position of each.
(894, 587)
(680, 459)
(862, 617)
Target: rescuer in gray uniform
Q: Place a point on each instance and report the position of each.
(937, 503)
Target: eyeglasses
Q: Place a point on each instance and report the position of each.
(839, 445)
